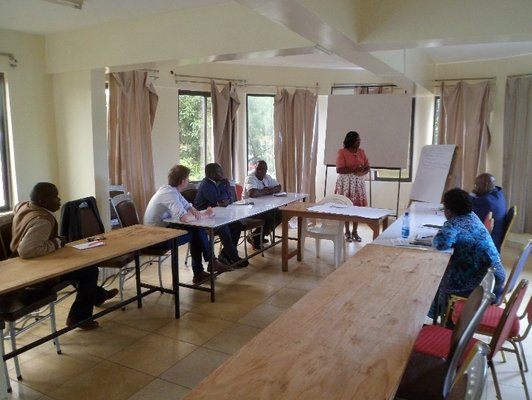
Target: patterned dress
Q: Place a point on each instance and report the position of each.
(351, 185)
(474, 252)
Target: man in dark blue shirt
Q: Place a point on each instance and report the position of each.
(488, 197)
(215, 191)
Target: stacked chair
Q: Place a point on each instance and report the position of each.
(438, 352)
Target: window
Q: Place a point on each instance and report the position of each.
(195, 132)
(436, 128)
(260, 131)
(5, 179)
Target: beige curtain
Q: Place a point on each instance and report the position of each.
(132, 105)
(224, 106)
(464, 116)
(517, 158)
(296, 141)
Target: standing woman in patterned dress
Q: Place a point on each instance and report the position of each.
(351, 166)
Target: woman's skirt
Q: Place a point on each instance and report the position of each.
(352, 187)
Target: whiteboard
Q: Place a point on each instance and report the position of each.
(382, 120)
(432, 172)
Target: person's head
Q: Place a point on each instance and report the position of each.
(262, 168)
(352, 140)
(214, 171)
(46, 195)
(484, 183)
(456, 202)
(178, 176)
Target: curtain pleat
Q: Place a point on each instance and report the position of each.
(464, 115)
(132, 107)
(225, 104)
(296, 140)
(517, 156)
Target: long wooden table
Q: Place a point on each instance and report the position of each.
(302, 210)
(350, 338)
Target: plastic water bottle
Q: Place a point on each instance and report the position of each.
(405, 230)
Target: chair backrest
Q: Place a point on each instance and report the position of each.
(239, 189)
(189, 194)
(516, 270)
(508, 222)
(80, 219)
(502, 332)
(338, 199)
(488, 282)
(125, 210)
(115, 190)
(471, 378)
(6, 224)
(470, 317)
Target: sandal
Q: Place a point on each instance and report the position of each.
(348, 238)
(356, 238)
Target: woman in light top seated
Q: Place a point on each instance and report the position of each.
(168, 202)
(474, 250)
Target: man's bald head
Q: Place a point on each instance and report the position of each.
(484, 183)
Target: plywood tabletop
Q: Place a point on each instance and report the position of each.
(349, 338)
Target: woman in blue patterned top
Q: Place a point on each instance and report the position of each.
(474, 250)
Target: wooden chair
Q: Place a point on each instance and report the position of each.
(517, 268)
(502, 325)
(438, 352)
(127, 215)
(327, 230)
(115, 190)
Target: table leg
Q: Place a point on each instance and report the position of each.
(175, 276)
(299, 249)
(137, 279)
(284, 239)
(213, 276)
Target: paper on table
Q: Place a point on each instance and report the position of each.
(280, 194)
(89, 245)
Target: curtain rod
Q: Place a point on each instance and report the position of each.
(490, 78)
(519, 75)
(348, 85)
(317, 86)
(237, 81)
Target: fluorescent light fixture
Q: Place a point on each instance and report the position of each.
(70, 3)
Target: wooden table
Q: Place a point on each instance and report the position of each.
(301, 210)
(350, 338)
(232, 213)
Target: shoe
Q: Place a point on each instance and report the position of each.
(356, 238)
(109, 294)
(223, 259)
(265, 240)
(348, 238)
(254, 243)
(200, 278)
(87, 326)
(240, 263)
(220, 268)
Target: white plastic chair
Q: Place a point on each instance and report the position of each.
(327, 229)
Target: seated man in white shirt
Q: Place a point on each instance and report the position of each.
(168, 202)
(258, 184)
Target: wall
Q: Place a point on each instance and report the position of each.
(31, 110)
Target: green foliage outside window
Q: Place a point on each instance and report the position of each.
(260, 132)
(195, 133)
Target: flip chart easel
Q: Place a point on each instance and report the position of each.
(432, 171)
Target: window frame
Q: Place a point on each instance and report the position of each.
(5, 165)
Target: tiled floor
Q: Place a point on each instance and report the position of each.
(146, 354)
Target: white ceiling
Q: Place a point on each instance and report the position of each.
(44, 17)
